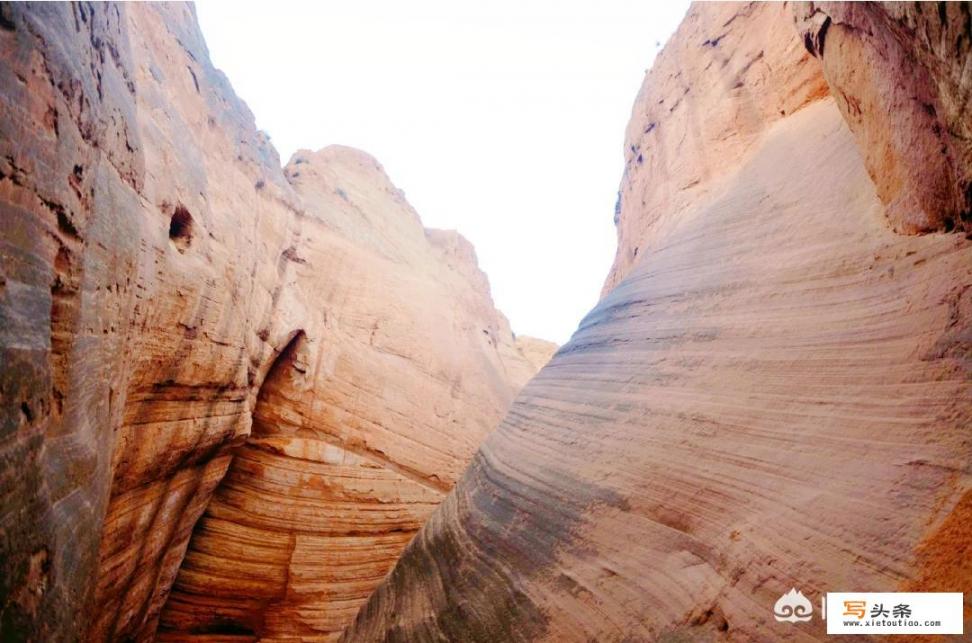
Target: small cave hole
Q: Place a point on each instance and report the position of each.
(180, 228)
(26, 412)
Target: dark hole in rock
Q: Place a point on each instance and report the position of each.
(226, 626)
(65, 225)
(180, 228)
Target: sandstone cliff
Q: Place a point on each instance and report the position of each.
(363, 423)
(775, 390)
(170, 297)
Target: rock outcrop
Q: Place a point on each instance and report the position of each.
(170, 297)
(900, 75)
(536, 351)
(775, 390)
(363, 423)
(724, 77)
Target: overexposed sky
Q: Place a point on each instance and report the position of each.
(503, 120)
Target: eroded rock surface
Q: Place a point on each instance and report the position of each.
(164, 288)
(727, 73)
(901, 75)
(775, 390)
(363, 423)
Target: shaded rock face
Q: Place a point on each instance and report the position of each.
(170, 297)
(900, 75)
(774, 392)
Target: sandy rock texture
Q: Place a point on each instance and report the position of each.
(726, 74)
(901, 75)
(775, 391)
(536, 351)
(169, 297)
(363, 423)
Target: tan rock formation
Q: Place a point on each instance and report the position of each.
(900, 74)
(363, 424)
(536, 351)
(162, 284)
(774, 392)
(723, 78)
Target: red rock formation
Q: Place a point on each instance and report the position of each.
(723, 78)
(157, 268)
(363, 423)
(900, 76)
(775, 390)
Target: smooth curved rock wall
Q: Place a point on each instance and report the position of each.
(775, 389)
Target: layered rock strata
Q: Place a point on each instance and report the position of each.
(170, 297)
(775, 389)
(363, 423)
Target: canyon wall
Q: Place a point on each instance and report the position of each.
(361, 426)
(900, 76)
(174, 305)
(775, 390)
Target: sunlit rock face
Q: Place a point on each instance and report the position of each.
(726, 75)
(170, 297)
(363, 423)
(773, 393)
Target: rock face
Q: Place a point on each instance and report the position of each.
(710, 94)
(536, 351)
(363, 423)
(775, 390)
(900, 75)
(170, 297)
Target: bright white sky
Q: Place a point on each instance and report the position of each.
(504, 119)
